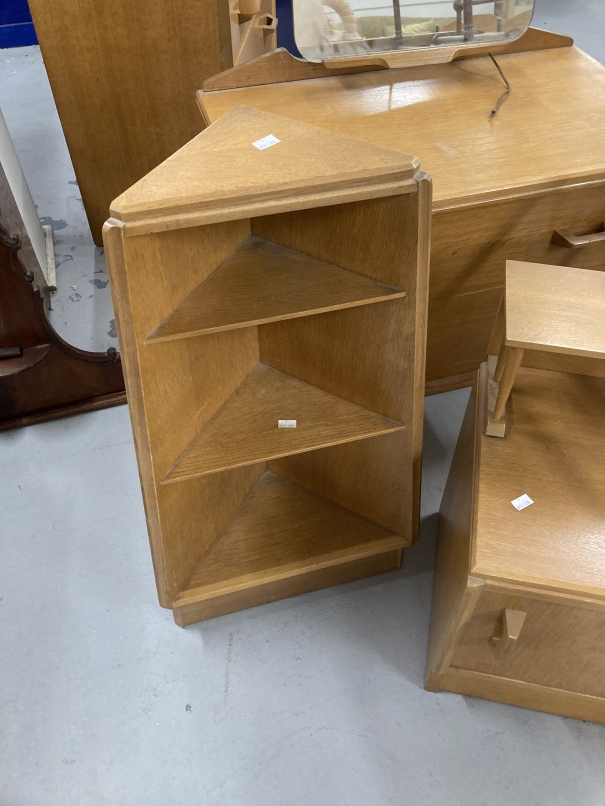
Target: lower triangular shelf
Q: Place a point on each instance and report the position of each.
(283, 531)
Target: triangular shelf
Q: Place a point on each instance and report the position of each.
(222, 167)
(280, 531)
(264, 282)
(245, 430)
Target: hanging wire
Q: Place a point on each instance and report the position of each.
(502, 98)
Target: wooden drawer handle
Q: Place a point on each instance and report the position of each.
(568, 239)
(268, 22)
(512, 622)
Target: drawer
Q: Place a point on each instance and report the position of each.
(458, 333)
(558, 646)
(470, 245)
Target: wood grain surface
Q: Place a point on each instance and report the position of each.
(245, 430)
(471, 243)
(547, 652)
(522, 694)
(555, 309)
(324, 573)
(264, 282)
(544, 565)
(205, 408)
(459, 330)
(454, 545)
(492, 202)
(305, 158)
(554, 452)
(279, 530)
(442, 115)
(124, 77)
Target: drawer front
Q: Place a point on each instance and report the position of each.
(458, 333)
(470, 245)
(558, 646)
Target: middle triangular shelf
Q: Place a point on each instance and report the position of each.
(264, 282)
(245, 430)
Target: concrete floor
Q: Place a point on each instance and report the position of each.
(315, 700)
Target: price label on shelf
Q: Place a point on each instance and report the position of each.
(522, 501)
(286, 423)
(266, 142)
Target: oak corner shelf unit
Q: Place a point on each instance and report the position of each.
(252, 286)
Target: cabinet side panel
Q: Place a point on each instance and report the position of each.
(165, 267)
(193, 513)
(454, 538)
(116, 268)
(423, 251)
(185, 382)
(182, 519)
(372, 477)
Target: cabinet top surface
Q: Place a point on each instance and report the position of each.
(550, 130)
(554, 452)
(253, 155)
(555, 308)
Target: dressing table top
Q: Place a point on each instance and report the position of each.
(550, 130)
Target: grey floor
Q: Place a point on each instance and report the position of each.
(315, 700)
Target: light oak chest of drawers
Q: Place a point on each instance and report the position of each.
(544, 565)
(502, 185)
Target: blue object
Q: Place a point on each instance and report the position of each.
(285, 27)
(16, 26)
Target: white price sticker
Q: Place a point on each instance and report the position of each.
(266, 142)
(522, 501)
(286, 423)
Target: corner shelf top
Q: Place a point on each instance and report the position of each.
(221, 166)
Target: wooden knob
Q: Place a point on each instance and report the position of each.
(249, 7)
(512, 622)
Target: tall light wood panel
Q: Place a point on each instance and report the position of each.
(124, 77)
(253, 286)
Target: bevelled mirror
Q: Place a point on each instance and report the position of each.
(330, 29)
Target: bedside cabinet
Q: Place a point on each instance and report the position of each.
(519, 596)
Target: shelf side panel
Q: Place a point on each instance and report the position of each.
(182, 523)
(372, 477)
(186, 382)
(376, 238)
(193, 514)
(372, 356)
(165, 267)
